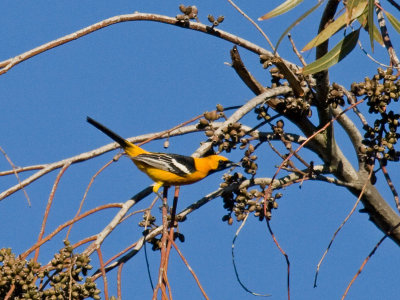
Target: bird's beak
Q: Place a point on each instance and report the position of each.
(230, 164)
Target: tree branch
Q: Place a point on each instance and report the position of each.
(6, 65)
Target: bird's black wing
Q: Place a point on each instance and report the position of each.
(177, 164)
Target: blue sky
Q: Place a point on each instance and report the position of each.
(143, 77)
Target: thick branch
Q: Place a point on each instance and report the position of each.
(351, 130)
(322, 78)
(237, 64)
(379, 211)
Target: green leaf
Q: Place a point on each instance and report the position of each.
(395, 23)
(351, 4)
(370, 22)
(281, 9)
(375, 31)
(377, 35)
(331, 58)
(303, 16)
(334, 27)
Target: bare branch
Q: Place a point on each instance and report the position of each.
(254, 24)
(322, 78)
(252, 83)
(351, 130)
(385, 35)
(88, 155)
(6, 65)
(242, 111)
(117, 218)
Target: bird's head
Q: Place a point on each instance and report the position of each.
(219, 163)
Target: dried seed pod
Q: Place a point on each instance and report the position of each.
(193, 12)
(223, 185)
(214, 115)
(209, 133)
(251, 148)
(207, 116)
(182, 8)
(233, 132)
(274, 70)
(204, 122)
(220, 108)
(236, 125)
(166, 144)
(280, 124)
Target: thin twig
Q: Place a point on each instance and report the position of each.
(234, 263)
(94, 153)
(284, 254)
(15, 172)
(157, 231)
(103, 273)
(10, 292)
(66, 224)
(86, 192)
(48, 206)
(370, 56)
(367, 259)
(351, 100)
(243, 110)
(341, 225)
(300, 57)
(172, 225)
(160, 281)
(117, 218)
(254, 23)
(391, 185)
(119, 281)
(395, 4)
(268, 191)
(171, 240)
(22, 169)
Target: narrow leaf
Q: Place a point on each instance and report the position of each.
(349, 9)
(377, 35)
(331, 58)
(303, 16)
(375, 31)
(289, 75)
(334, 27)
(370, 22)
(395, 23)
(281, 9)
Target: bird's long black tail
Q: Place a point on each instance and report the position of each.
(124, 144)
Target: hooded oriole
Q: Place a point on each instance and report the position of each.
(168, 169)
